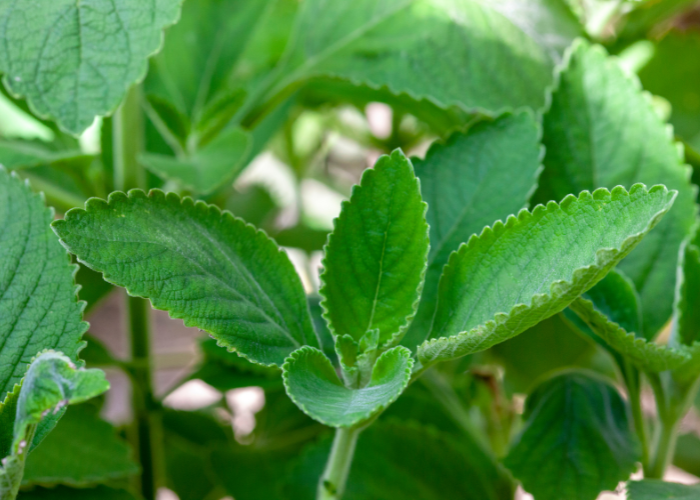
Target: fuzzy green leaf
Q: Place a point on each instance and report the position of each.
(207, 168)
(516, 274)
(39, 308)
(601, 131)
(52, 382)
(577, 439)
(312, 383)
(376, 255)
(447, 51)
(470, 181)
(611, 310)
(203, 266)
(82, 450)
(652, 489)
(74, 60)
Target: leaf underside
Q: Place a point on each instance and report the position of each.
(468, 182)
(313, 384)
(601, 130)
(516, 274)
(577, 439)
(208, 268)
(39, 308)
(376, 255)
(54, 55)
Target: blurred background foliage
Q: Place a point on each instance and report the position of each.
(285, 166)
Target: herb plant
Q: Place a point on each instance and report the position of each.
(507, 300)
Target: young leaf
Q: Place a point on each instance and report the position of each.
(404, 460)
(376, 255)
(449, 52)
(203, 266)
(82, 450)
(576, 441)
(611, 310)
(653, 489)
(38, 303)
(473, 179)
(51, 383)
(601, 131)
(207, 168)
(74, 60)
(312, 383)
(516, 274)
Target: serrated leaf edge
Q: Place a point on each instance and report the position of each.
(601, 260)
(187, 202)
(308, 350)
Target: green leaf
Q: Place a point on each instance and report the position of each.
(473, 179)
(516, 274)
(54, 56)
(671, 74)
(18, 154)
(447, 51)
(645, 16)
(611, 310)
(52, 382)
(576, 441)
(601, 131)
(203, 266)
(312, 383)
(686, 327)
(376, 255)
(207, 168)
(81, 450)
(38, 304)
(653, 489)
(404, 460)
(64, 493)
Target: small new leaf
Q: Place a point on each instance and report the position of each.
(312, 383)
(577, 439)
(516, 274)
(206, 267)
(376, 255)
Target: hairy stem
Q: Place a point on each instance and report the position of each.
(332, 484)
(128, 137)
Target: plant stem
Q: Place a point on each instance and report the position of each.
(332, 484)
(665, 447)
(633, 382)
(128, 133)
(128, 139)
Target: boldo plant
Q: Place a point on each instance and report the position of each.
(451, 245)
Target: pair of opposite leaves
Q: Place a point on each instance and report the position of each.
(219, 274)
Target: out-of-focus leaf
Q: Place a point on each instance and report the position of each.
(82, 450)
(653, 489)
(54, 55)
(65, 493)
(577, 440)
(415, 462)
